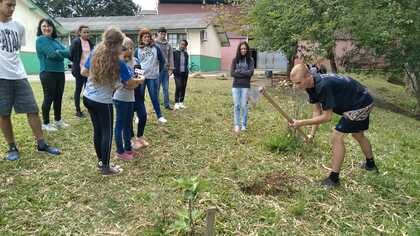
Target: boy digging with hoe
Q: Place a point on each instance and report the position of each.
(344, 96)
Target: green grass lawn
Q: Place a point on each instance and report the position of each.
(396, 95)
(65, 195)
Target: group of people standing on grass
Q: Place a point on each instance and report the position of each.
(115, 74)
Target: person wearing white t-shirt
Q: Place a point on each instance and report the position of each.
(15, 90)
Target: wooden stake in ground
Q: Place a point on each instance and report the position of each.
(211, 215)
(283, 113)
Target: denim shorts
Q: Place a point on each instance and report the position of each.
(16, 94)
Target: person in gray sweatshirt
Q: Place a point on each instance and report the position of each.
(151, 60)
(167, 52)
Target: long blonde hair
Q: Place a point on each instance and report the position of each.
(105, 69)
(129, 44)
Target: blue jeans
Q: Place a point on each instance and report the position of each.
(123, 125)
(153, 88)
(240, 102)
(140, 109)
(164, 81)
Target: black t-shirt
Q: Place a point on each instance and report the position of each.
(339, 93)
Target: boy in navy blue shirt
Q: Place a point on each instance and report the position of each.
(344, 96)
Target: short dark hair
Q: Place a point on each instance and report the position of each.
(49, 22)
(162, 29)
(82, 27)
(185, 41)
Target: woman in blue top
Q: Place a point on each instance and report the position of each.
(51, 54)
(104, 70)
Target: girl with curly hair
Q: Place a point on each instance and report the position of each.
(104, 69)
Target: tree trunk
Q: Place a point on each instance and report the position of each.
(413, 83)
(291, 60)
(417, 94)
(331, 57)
(417, 111)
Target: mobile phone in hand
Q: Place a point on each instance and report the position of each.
(138, 71)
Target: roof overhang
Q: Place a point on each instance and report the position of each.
(132, 23)
(221, 34)
(34, 7)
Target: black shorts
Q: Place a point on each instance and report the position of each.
(347, 126)
(16, 94)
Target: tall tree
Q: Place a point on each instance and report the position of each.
(77, 8)
(279, 27)
(61, 8)
(386, 28)
(390, 28)
(235, 16)
(325, 24)
(285, 23)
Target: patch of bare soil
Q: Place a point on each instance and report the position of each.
(275, 184)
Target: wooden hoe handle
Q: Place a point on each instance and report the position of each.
(282, 112)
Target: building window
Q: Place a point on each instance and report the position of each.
(175, 38)
(203, 35)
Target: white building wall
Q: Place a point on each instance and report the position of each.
(29, 19)
(212, 46)
(194, 42)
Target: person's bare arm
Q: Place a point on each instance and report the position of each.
(318, 118)
(316, 112)
(134, 83)
(84, 72)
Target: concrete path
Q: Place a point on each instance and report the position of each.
(36, 77)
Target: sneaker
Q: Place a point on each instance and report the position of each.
(136, 144)
(110, 171)
(135, 154)
(373, 168)
(61, 125)
(50, 150)
(328, 183)
(132, 153)
(80, 114)
(177, 106)
(13, 155)
(99, 165)
(243, 128)
(124, 156)
(182, 106)
(236, 130)
(48, 127)
(144, 142)
(162, 120)
(168, 108)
